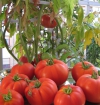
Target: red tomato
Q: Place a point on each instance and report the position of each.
(90, 85)
(25, 68)
(16, 82)
(10, 97)
(70, 95)
(41, 92)
(46, 21)
(23, 59)
(53, 69)
(80, 69)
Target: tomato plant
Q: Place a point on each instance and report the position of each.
(82, 68)
(15, 82)
(10, 97)
(90, 85)
(53, 69)
(47, 22)
(41, 92)
(70, 95)
(24, 68)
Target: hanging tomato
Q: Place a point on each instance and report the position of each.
(47, 22)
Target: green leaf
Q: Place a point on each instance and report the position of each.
(65, 55)
(90, 17)
(67, 9)
(46, 55)
(88, 38)
(56, 5)
(61, 46)
(1, 40)
(80, 16)
(2, 16)
(12, 29)
(79, 36)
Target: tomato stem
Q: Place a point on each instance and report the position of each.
(7, 97)
(85, 66)
(68, 90)
(50, 62)
(37, 84)
(94, 75)
(16, 77)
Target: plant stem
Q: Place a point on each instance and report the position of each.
(38, 32)
(22, 41)
(60, 31)
(6, 45)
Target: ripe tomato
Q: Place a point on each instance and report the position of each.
(53, 69)
(80, 69)
(23, 59)
(15, 82)
(10, 97)
(90, 85)
(46, 21)
(70, 95)
(25, 68)
(41, 92)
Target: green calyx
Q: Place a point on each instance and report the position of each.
(50, 62)
(16, 77)
(67, 90)
(94, 75)
(85, 66)
(7, 97)
(37, 84)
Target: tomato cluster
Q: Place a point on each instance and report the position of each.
(44, 84)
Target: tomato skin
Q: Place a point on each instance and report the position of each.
(45, 21)
(19, 85)
(78, 70)
(90, 87)
(25, 68)
(23, 59)
(17, 98)
(43, 95)
(76, 97)
(58, 71)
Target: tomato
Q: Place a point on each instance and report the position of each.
(46, 21)
(90, 85)
(70, 95)
(23, 59)
(10, 97)
(80, 69)
(16, 82)
(25, 68)
(41, 92)
(53, 69)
